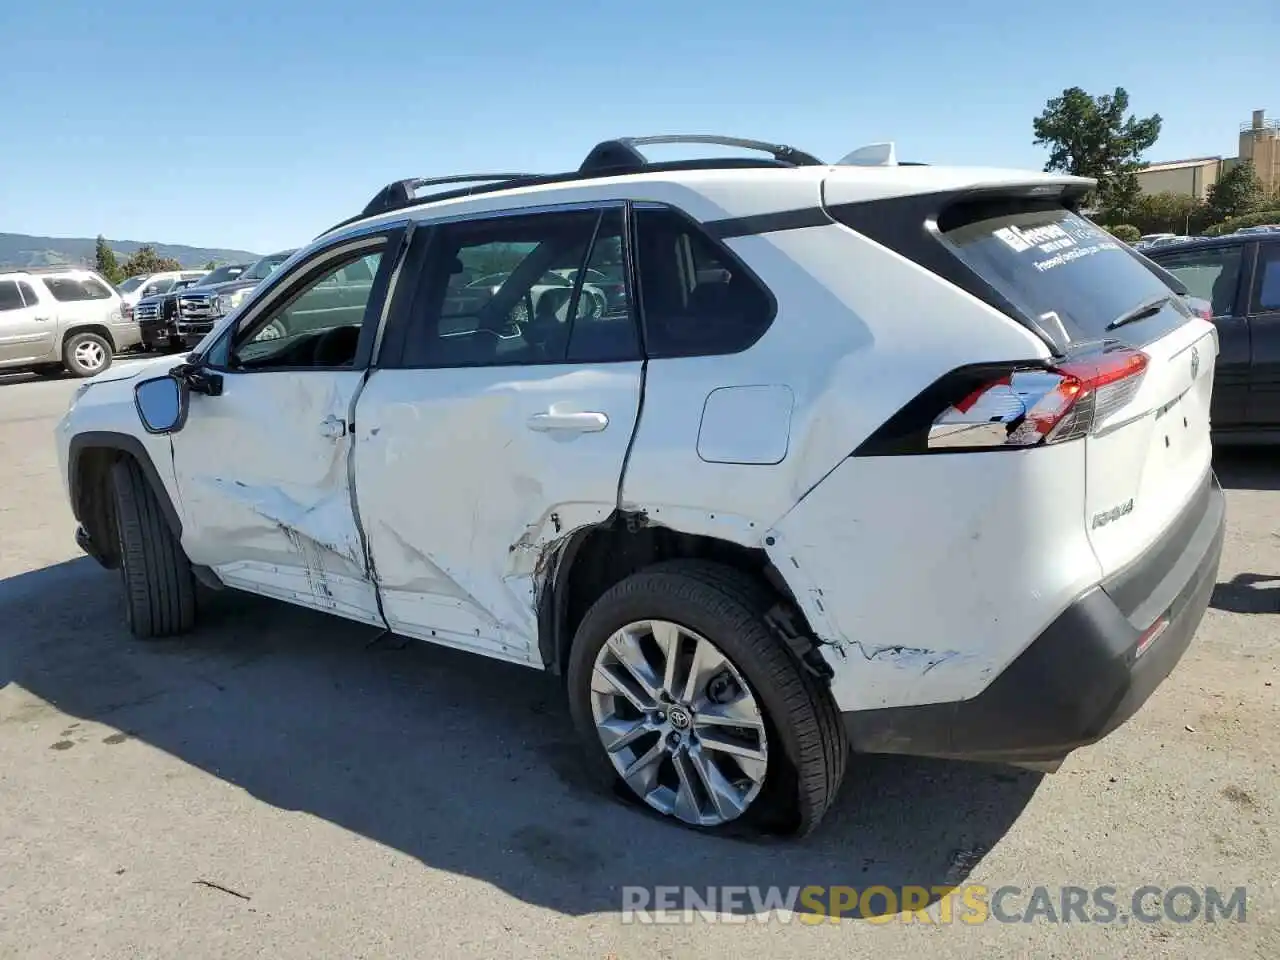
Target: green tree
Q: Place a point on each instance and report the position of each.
(146, 260)
(1126, 232)
(211, 265)
(1237, 193)
(104, 261)
(1167, 212)
(1092, 137)
(1256, 219)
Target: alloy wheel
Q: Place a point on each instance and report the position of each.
(679, 723)
(90, 355)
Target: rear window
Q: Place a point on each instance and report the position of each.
(70, 290)
(1053, 264)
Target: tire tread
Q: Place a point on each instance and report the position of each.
(159, 585)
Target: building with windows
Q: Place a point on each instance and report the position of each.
(1259, 141)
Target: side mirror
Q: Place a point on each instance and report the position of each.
(162, 404)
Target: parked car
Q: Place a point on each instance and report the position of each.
(1158, 241)
(880, 457)
(549, 298)
(1239, 275)
(199, 309)
(55, 319)
(144, 285)
(157, 316)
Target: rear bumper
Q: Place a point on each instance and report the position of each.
(1087, 673)
(125, 335)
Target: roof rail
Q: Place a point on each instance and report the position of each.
(621, 154)
(401, 193)
(50, 268)
(608, 158)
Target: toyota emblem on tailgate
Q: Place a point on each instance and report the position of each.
(1195, 362)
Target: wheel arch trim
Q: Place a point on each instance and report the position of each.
(92, 440)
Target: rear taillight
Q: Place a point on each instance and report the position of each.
(1031, 407)
(126, 310)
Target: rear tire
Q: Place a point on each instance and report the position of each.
(159, 588)
(86, 354)
(807, 747)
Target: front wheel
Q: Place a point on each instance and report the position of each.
(85, 354)
(159, 587)
(683, 694)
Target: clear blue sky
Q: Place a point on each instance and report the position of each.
(256, 125)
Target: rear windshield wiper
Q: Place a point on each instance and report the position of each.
(1143, 310)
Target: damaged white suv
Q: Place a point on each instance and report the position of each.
(834, 458)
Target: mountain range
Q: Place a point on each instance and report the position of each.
(18, 250)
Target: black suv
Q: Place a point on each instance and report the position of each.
(157, 315)
(1239, 275)
(199, 308)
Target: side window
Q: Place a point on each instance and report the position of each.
(10, 298)
(697, 300)
(513, 290)
(1266, 296)
(28, 293)
(317, 324)
(72, 290)
(1211, 274)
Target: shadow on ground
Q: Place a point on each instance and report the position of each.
(468, 765)
(1248, 468)
(8, 379)
(1247, 593)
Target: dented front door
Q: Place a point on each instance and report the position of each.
(264, 468)
(263, 475)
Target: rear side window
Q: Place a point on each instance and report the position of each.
(10, 298)
(71, 290)
(1062, 269)
(697, 299)
(1211, 274)
(1267, 295)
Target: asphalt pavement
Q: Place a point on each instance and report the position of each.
(274, 786)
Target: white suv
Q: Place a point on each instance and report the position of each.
(144, 285)
(895, 458)
(55, 319)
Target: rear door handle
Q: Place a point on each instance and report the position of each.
(571, 422)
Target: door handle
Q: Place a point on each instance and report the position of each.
(590, 422)
(333, 427)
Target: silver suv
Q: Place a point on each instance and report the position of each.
(61, 319)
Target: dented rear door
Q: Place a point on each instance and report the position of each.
(497, 425)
